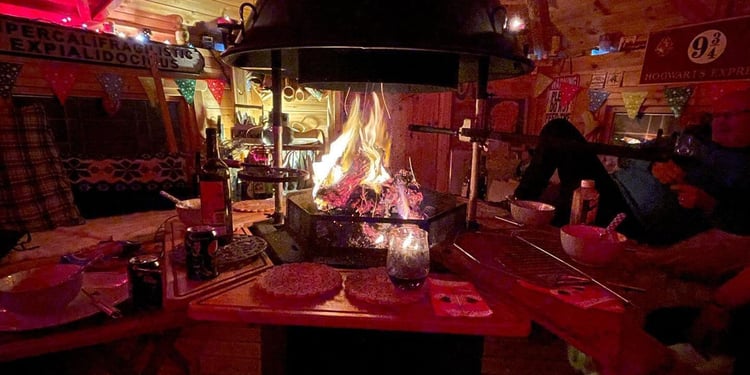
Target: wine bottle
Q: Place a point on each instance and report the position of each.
(216, 204)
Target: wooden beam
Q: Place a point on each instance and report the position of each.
(540, 23)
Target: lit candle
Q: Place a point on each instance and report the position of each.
(408, 259)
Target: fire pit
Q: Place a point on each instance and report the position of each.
(354, 241)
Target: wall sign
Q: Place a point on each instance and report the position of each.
(555, 107)
(19, 36)
(714, 51)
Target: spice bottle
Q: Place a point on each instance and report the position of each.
(585, 203)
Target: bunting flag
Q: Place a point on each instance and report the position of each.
(186, 87)
(677, 97)
(568, 92)
(8, 74)
(112, 84)
(61, 77)
(541, 84)
(150, 87)
(633, 102)
(216, 86)
(716, 91)
(597, 99)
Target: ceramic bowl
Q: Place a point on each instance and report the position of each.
(531, 213)
(42, 290)
(586, 245)
(189, 212)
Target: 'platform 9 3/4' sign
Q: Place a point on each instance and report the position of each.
(704, 52)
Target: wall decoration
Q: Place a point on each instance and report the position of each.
(555, 107)
(216, 86)
(507, 115)
(150, 87)
(541, 84)
(614, 79)
(633, 102)
(568, 93)
(597, 99)
(598, 80)
(712, 51)
(186, 87)
(112, 84)
(46, 40)
(8, 74)
(61, 77)
(677, 97)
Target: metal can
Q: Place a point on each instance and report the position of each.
(144, 275)
(201, 244)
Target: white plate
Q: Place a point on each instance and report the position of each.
(109, 287)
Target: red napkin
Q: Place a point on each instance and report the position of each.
(457, 298)
(583, 296)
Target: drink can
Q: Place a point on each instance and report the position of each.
(201, 244)
(144, 275)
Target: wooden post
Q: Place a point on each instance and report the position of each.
(165, 117)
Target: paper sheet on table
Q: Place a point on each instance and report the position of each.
(583, 296)
(457, 298)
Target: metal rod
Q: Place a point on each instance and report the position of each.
(278, 151)
(480, 114)
(574, 268)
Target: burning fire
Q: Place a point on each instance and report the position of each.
(353, 176)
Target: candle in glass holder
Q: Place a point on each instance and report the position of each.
(408, 259)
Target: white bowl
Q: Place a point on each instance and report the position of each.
(531, 213)
(189, 212)
(586, 245)
(42, 290)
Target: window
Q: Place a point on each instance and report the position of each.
(82, 127)
(644, 127)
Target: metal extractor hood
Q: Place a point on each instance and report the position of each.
(407, 45)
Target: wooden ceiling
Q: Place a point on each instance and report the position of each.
(579, 23)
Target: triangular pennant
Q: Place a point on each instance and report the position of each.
(633, 102)
(186, 87)
(677, 97)
(597, 99)
(541, 83)
(568, 92)
(150, 87)
(112, 84)
(111, 106)
(8, 74)
(216, 86)
(61, 77)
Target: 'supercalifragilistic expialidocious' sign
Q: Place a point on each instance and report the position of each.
(713, 51)
(19, 36)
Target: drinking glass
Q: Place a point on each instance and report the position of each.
(408, 258)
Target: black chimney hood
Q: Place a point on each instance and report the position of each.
(407, 45)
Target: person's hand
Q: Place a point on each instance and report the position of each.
(710, 329)
(668, 172)
(690, 196)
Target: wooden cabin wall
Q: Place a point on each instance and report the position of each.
(31, 81)
(420, 109)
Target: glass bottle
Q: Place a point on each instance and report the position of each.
(216, 204)
(585, 203)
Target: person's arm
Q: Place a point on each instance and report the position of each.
(712, 325)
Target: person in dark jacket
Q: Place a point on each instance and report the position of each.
(706, 186)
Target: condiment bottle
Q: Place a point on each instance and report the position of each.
(216, 204)
(585, 203)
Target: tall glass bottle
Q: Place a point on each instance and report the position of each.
(585, 204)
(216, 203)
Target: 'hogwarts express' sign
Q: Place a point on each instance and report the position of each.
(19, 36)
(715, 51)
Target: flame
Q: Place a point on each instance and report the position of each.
(362, 140)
